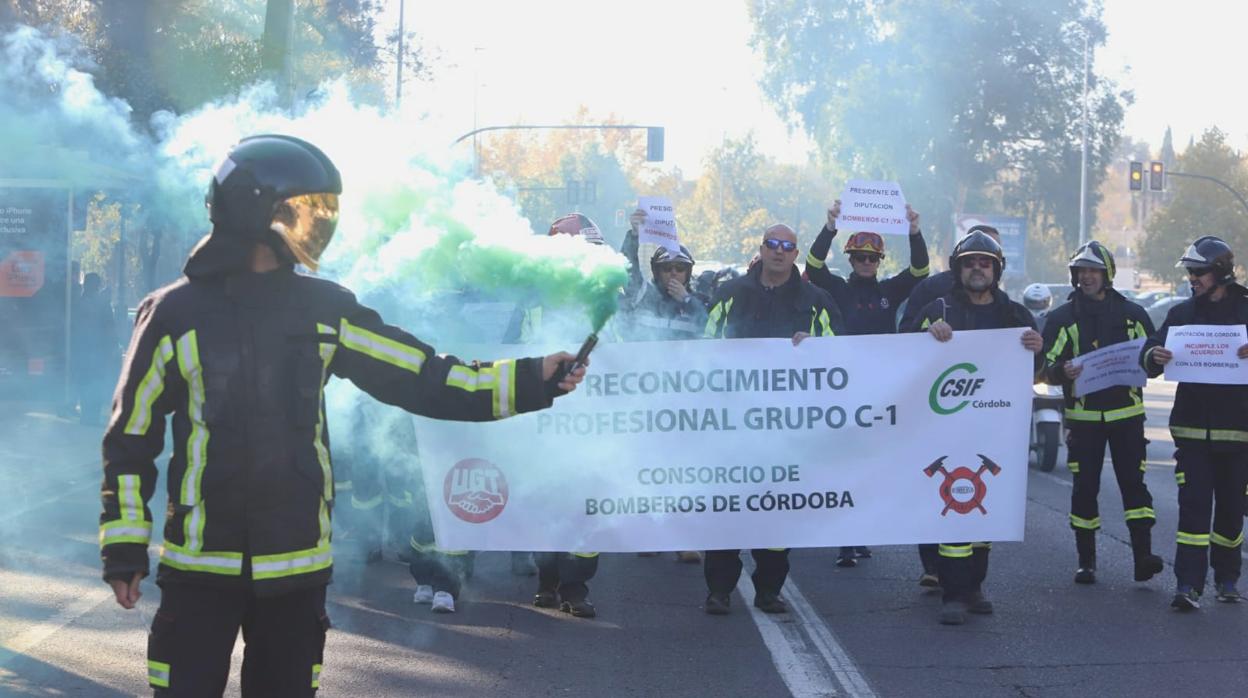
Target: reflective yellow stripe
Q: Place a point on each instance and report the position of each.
(131, 526)
(1073, 466)
(718, 318)
(927, 322)
(813, 261)
(124, 531)
(157, 674)
(193, 527)
(1058, 345)
(327, 351)
(1121, 413)
(589, 555)
(1140, 513)
(178, 557)
(381, 348)
(1226, 542)
(825, 324)
(291, 564)
(316, 676)
(1188, 433)
(920, 273)
(956, 551)
(1228, 435)
(401, 501)
(1196, 539)
(1234, 435)
(197, 442)
(1180, 478)
(365, 504)
(505, 388)
(150, 388)
(1086, 524)
(1074, 339)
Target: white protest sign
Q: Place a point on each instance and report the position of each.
(659, 227)
(876, 206)
(1117, 364)
(749, 443)
(1207, 354)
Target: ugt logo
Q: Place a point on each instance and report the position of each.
(963, 490)
(952, 385)
(475, 490)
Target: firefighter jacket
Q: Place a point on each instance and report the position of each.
(1083, 325)
(935, 286)
(868, 305)
(957, 309)
(1204, 412)
(744, 308)
(241, 362)
(656, 316)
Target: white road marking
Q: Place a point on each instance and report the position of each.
(803, 648)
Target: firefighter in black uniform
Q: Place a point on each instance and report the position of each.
(936, 285)
(1098, 316)
(239, 351)
(868, 304)
(1209, 424)
(771, 300)
(976, 303)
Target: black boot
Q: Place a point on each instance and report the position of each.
(1085, 544)
(1146, 563)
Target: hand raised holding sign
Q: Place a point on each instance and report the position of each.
(833, 213)
(913, 217)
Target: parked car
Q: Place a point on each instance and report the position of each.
(1157, 311)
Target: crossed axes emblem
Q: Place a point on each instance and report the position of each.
(963, 473)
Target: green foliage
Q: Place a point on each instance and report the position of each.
(955, 99)
(1198, 207)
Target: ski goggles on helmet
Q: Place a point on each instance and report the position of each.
(865, 242)
(307, 222)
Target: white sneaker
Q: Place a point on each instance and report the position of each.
(443, 603)
(424, 594)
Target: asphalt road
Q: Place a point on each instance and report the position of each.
(864, 631)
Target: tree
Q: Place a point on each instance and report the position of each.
(965, 102)
(1198, 207)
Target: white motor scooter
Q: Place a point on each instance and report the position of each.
(1047, 401)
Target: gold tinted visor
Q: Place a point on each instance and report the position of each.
(307, 225)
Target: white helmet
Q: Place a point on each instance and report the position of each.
(1037, 297)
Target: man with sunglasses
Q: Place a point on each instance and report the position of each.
(975, 303)
(1209, 424)
(936, 285)
(771, 300)
(868, 304)
(1098, 316)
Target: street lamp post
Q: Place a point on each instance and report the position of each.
(1083, 165)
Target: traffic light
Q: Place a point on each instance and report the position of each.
(1156, 177)
(654, 144)
(1136, 182)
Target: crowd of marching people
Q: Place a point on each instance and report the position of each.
(238, 351)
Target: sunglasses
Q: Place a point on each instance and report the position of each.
(1199, 271)
(978, 261)
(677, 267)
(774, 244)
(865, 258)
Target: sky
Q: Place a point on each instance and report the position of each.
(687, 65)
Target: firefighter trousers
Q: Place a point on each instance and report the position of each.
(1085, 446)
(962, 569)
(566, 573)
(193, 633)
(1211, 484)
(722, 569)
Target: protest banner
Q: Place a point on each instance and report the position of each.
(747, 443)
(1117, 364)
(876, 206)
(659, 227)
(1207, 354)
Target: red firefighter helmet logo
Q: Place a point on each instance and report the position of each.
(475, 490)
(963, 489)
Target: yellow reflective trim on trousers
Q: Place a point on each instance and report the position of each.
(125, 531)
(1085, 524)
(291, 564)
(316, 676)
(366, 504)
(1200, 540)
(1121, 413)
(229, 564)
(1058, 345)
(1073, 466)
(400, 501)
(157, 674)
(381, 348)
(433, 548)
(1181, 478)
(813, 261)
(1139, 513)
(197, 442)
(589, 555)
(955, 551)
(1225, 542)
(1232, 435)
(920, 273)
(150, 388)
